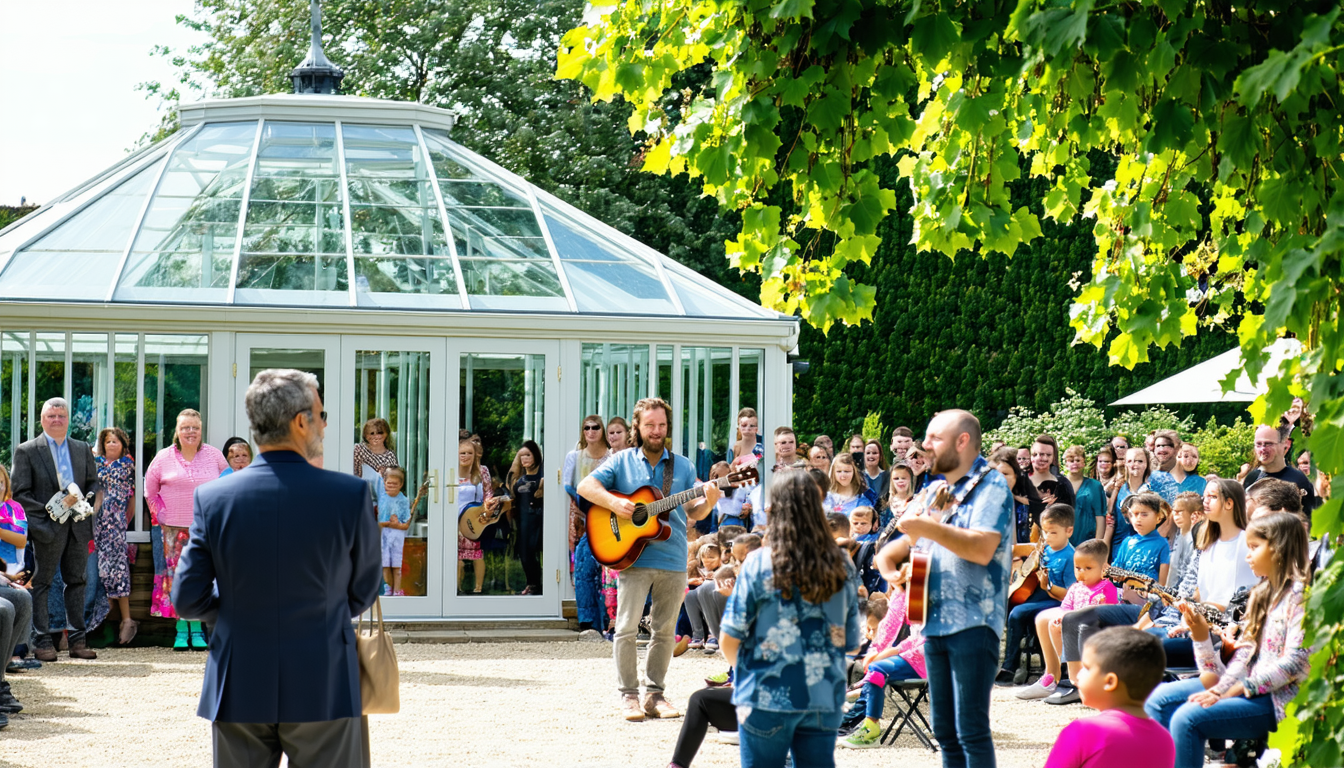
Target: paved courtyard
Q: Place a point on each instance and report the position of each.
(521, 704)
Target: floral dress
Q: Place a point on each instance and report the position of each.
(117, 479)
(379, 461)
(469, 493)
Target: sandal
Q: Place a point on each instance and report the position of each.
(129, 628)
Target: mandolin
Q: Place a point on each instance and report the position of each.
(617, 542)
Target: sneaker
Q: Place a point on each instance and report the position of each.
(657, 705)
(1036, 691)
(683, 643)
(719, 680)
(630, 708)
(398, 593)
(1068, 695)
(591, 636)
(728, 737)
(180, 642)
(866, 736)
(696, 644)
(1020, 676)
(1004, 678)
(711, 645)
(387, 590)
(22, 665)
(198, 642)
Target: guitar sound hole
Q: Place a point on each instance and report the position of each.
(640, 517)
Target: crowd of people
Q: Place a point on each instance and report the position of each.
(1168, 598)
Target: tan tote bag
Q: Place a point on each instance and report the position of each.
(378, 677)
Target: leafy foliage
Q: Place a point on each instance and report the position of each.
(1223, 119)
(873, 428)
(1223, 449)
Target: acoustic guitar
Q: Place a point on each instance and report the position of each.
(1025, 580)
(617, 542)
(920, 562)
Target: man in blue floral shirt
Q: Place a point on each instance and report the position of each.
(968, 589)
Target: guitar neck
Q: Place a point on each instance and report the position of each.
(677, 499)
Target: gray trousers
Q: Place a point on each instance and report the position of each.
(704, 608)
(633, 587)
(66, 552)
(16, 622)
(335, 743)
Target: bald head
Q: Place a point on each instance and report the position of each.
(953, 439)
(962, 422)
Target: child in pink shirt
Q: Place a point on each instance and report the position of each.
(1120, 667)
(1091, 588)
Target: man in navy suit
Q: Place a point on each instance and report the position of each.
(281, 557)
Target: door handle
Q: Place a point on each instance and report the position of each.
(452, 485)
(434, 486)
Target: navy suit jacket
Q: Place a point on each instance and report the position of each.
(282, 555)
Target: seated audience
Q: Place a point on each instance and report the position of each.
(1055, 574)
(1090, 588)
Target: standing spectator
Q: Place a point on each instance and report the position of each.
(825, 442)
(172, 478)
(473, 488)
(875, 468)
(618, 434)
(919, 462)
(792, 618)
(901, 440)
(16, 605)
(818, 458)
(579, 463)
(1027, 504)
(1119, 444)
(748, 439)
(43, 466)
(1138, 466)
(1089, 507)
(238, 453)
(1024, 459)
(1269, 452)
(1162, 482)
(658, 577)
(1103, 466)
(116, 475)
(786, 448)
(524, 482)
(280, 588)
(1045, 472)
(376, 452)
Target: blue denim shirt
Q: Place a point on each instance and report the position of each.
(626, 472)
(962, 594)
(60, 453)
(792, 657)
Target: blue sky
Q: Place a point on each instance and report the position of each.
(68, 71)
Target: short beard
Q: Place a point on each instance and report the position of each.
(946, 462)
(654, 446)
(314, 448)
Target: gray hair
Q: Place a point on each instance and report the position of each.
(274, 398)
(55, 402)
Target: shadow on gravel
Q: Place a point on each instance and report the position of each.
(470, 681)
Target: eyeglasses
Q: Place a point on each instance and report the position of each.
(1262, 444)
(592, 427)
(322, 415)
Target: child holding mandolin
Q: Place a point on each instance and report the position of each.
(1046, 575)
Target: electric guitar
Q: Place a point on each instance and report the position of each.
(617, 542)
(1025, 580)
(920, 562)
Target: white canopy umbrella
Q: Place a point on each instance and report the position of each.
(1203, 383)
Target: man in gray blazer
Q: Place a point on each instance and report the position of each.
(281, 557)
(42, 466)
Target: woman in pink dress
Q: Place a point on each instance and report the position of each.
(171, 480)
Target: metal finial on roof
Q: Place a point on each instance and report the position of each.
(316, 74)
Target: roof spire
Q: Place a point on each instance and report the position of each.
(316, 74)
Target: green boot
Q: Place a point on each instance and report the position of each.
(180, 642)
(198, 637)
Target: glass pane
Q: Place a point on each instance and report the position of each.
(79, 260)
(502, 399)
(459, 193)
(516, 278)
(613, 379)
(700, 300)
(412, 231)
(751, 386)
(50, 362)
(263, 273)
(297, 149)
(665, 373)
(401, 281)
(90, 397)
(706, 422)
(176, 368)
(392, 395)
(618, 287)
(312, 361)
(14, 412)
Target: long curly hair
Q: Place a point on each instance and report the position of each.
(1287, 539)
(803, 554)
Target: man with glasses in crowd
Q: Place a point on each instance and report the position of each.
(1269, 451)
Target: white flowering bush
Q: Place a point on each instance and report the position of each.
(1077, 420)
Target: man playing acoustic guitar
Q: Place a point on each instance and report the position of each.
(661, 567)
(967, 587)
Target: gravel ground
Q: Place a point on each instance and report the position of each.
(534, 704)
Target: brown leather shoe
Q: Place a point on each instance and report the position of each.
(630, 708)
(656, 705)
(44, 654)
(81, 651)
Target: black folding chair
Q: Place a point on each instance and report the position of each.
(911, 693)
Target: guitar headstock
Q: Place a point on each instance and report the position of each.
(744, 475)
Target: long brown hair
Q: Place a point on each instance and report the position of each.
(601, 428)
(1231, 492)
(475, 474)
(1287, 539)
(1092, 471)
(629, 441)
(101, 448)
(803, 554)
(857, 481)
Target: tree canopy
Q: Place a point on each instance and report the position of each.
(1221, 124)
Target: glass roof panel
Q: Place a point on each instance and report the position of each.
(602, 279)
(700, 300)
(79, 260)
(401, 251)
(184, 249)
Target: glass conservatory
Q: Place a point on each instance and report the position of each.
(422, 283)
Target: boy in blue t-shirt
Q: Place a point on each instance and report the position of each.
(1146, 552)
(394, 518)
(1055, 574)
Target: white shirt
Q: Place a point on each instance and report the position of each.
(1223, 570)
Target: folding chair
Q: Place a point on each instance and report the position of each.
(907, 711)
(1172, 674)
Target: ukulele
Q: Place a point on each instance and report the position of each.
(1025, 580)
(920, 562)
(617, 542)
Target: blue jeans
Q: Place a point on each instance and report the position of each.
(1191, 724)
(588, 587)
(961, 669)
(893, 668)
(1180, 651)
(767, 738)
(1022, 624)
(1079, 625)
